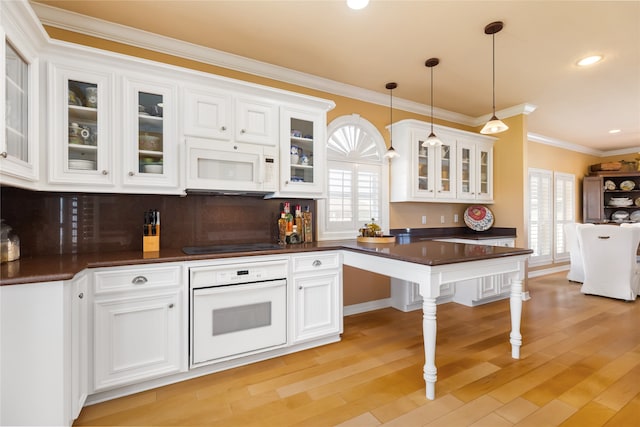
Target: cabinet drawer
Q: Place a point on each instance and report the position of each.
(316, 261)
(112, 280)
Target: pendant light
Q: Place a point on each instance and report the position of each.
(432, 139)
(391, 152)
(494, 125)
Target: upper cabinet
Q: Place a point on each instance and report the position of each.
(150, 140)
(208, 114)
(81, 126)
(302, 152)
(19, 107)
(256, 121)
(458, 171)
(475, 170)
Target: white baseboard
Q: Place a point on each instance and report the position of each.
(551, 270)
(366, 306)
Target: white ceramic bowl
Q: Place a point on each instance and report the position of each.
(152, 168)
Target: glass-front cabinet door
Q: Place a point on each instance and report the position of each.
(435, 167)
(18, 144)
(81, 120)
(302, 152)
(150, 141)
(475, 172)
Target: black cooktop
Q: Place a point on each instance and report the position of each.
(237, 247)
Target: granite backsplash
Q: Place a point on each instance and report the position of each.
(68, 223)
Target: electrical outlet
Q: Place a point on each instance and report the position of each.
(424, 219)
(442, 219)
(455, 217)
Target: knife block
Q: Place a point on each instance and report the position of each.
(151, 243)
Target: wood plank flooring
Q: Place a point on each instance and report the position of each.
(580, 366)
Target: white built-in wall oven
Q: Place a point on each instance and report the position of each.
(237, 309)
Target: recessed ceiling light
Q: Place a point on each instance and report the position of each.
(615, 131)
(357, 4)
(590, 60)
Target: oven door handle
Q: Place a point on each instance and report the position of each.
(238, 287)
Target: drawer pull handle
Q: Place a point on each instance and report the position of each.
(139, 280)
(604, 237)
(317, 263)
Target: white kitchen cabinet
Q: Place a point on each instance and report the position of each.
(79, 324)
(150, 133)
(139, 330)
(19, 109)
(35, 352)
(317, 295)
(475, 170)
(208, 114)
(434, 173)
(81, 139)
(256, 120)
(302, 153)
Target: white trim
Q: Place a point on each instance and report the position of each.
(546, 271)
(541, 139)
(516, 110)
(366, 306)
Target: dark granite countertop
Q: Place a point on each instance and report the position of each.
(419, 250)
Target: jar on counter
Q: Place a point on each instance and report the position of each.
(9, 243)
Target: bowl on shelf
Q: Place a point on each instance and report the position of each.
(149, 142)
(620, 201)
(150, 168)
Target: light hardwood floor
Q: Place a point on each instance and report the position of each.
(580, 366)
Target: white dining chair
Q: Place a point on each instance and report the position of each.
(609, 257)
(576, 267)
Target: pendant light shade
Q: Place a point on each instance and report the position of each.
(432, 140)
(391, 152)
(494, 125)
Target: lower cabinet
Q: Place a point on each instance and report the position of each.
(78, 298)
(139, 330)
(317, 295)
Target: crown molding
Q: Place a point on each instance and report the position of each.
(541, 139)
(516, 110)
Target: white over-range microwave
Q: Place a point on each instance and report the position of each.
(230, 167)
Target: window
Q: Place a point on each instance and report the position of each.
(356, 177)
(551, 205)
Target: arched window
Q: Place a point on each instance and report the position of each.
(357, 179)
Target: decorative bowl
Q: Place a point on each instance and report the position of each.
(149, 142)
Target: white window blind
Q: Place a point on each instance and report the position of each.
(540, 216)
(565, 202)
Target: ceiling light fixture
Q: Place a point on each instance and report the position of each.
(357, 4)
(612, 131)
(432, 139)
(589, 60)
(391, 152)
(494, 125)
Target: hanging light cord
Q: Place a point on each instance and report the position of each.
(493, 39)
(431, 100)
(391, 117)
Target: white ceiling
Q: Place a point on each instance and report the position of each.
(390, 40)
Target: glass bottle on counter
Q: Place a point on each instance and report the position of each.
(282, 228)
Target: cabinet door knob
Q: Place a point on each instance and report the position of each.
(139, 280)
(104, 172)
(317, 263)
(81, 295)
(300, 287)
(242, 131)
(4, 154)
(131, 173)
(171, 305)
(223, 128)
